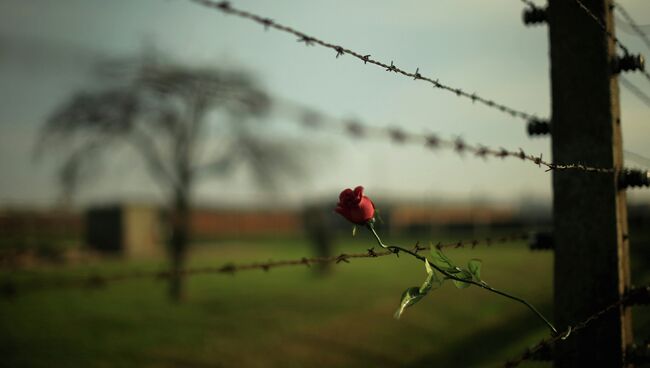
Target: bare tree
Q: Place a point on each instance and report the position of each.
(164, 111)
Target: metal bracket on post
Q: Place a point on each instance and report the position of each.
(538, 127)
(534, 15)
(627, 63)
(633, 178)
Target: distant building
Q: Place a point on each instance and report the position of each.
(137, 230)
(207, 223)
(45, 232)
(128, 230)
(418, 219)
(134, 230)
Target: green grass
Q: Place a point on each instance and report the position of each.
(287, 317)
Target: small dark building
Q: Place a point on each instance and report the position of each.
(128, 230)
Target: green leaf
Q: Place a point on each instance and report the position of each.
(409, 297)
(439, 259)
(432, 280)
(474, 267)
(413, 294)
(354, 230)
(427, 266)
(464, 275)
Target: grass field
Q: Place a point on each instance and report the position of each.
(287, 317)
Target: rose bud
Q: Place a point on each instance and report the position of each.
(355, 207)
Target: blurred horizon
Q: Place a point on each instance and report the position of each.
(43, 66)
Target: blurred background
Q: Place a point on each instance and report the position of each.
(161, 134)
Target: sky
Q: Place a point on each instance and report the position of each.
(48, 50)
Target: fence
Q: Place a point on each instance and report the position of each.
(588, 175)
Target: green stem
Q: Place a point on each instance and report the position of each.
(396, 249)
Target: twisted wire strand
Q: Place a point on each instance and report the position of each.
(602, 26)
(635, 90)
(609, 34)
(632, 23)
(627, 28)
(458, 144)
(634, 296)
(227, 8)
(315, 120)
(9, 288)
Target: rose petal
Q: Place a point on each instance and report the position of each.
(358, 192)
(345, 194)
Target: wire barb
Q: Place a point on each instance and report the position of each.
(342, 258)
(305, 261)
(9, 288)
(417, 74)
(307, 40)
(633, 297)
(358, 129)
(609, 34)
(366, 58)
(602, 26)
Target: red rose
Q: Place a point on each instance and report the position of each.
(355, 207)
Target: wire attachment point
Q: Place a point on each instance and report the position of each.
(633, 178)
(534, 15)
(628, 63)
(537, 127)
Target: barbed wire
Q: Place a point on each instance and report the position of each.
(636, 29)
(9, 288)
(603, 27)
(355, 128)
(609, 34)
(627, 28)
(432, 141)
(635, 90)
(635, 296)
(635, 157)
(630, 21)
(227, 8)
